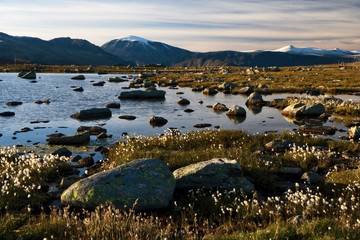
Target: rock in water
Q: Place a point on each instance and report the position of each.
(29, 75)
(143, 184)
(217, 172)
(219, 107)
(304, 110)
(78, 138)
(149, 93)
(255, 99)
(78, 77)
(156, 121)
(236, 111)
(93, 113)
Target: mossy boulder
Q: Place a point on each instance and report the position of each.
(213, 173)
(298, 110)
(143, 184)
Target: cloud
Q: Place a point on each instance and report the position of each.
(196, 25)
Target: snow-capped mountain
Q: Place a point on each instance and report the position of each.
(316, 51)
(143, 51)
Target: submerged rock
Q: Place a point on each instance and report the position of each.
(77, 138)
(93, 113)
(143, 184)
(213, 173)
(94, 130)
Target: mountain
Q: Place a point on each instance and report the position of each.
(142, 51)
(59, 51)
(260, 58)
(316, 51)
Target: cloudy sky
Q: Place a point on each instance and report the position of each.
(200, 25)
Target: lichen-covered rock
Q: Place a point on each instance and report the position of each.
(219, 107)
(217, 172)
(304, 110)
(236, 111)
(143, 184)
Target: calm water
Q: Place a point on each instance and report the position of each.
(65, 102)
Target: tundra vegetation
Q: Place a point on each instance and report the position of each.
(327, 209)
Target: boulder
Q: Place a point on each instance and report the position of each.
(281, 145)
(228, 86)
(113, 105)
(94, 130)
(86, 161)
(314, 129)
(29, 75)
(183, 101)
(210, 91)
(116, 79)
(22, 73)
(149, 93)
(7, 114)
(312, 178)
(156, 121)
(247, 90)
(299, 110)
(354, 132)
(93, 113)
(143, 184)
(255, 99)
(78, 77)
(213, 173)
(219, 107)
(148, 84)
(77, 138)
(62, 152)
(236, 111)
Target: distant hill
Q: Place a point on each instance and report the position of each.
(59, 51)
(260, 58)
(142, 51)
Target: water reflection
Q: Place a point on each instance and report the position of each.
(255, 109)
(237, 119)
(305, 121)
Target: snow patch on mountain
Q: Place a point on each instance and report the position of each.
(315, 51)
(132, 38)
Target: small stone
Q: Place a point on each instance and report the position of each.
(62, 152)
(86, 161)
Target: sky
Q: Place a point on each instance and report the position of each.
(197, 25)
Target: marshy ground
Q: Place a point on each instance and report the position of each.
(285, 205)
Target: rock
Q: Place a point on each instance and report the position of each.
(236, 111)
(299, 110)
(93, 113)
(66, 182)
(86, 161)
(148, 84)
(255, 99)
(197, 89)
(143, 184)
(219, 107)
(62, 152)
(102, 135)
(7, 114)
(281, 145)
(213, 173)
(188, 110)
(183, 101)
(78, 77)
(77, 138)
(156, 121)
(313, 92)
(296, 220)
(15, 103)
(94, 130)
(127, 117)
(312, 178)
(322, 130)
(22, 73)
(147, 94)
(247, 90)
(179, 93)
(290, 171)
(202, 125)
(113, 105)
(79, 89)
(75, 158)
(29, 75)
(228, 86)
(54, 135)
(99, 84)
(116, 79)
(354, 132)
(210, 91)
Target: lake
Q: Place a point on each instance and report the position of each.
(65, 102)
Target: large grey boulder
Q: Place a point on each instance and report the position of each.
(304, 110)
(78, 138)
(213, 173)
(255, 99)
(149, 93)
(93, 113)
(236, 111)
(143, 184)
